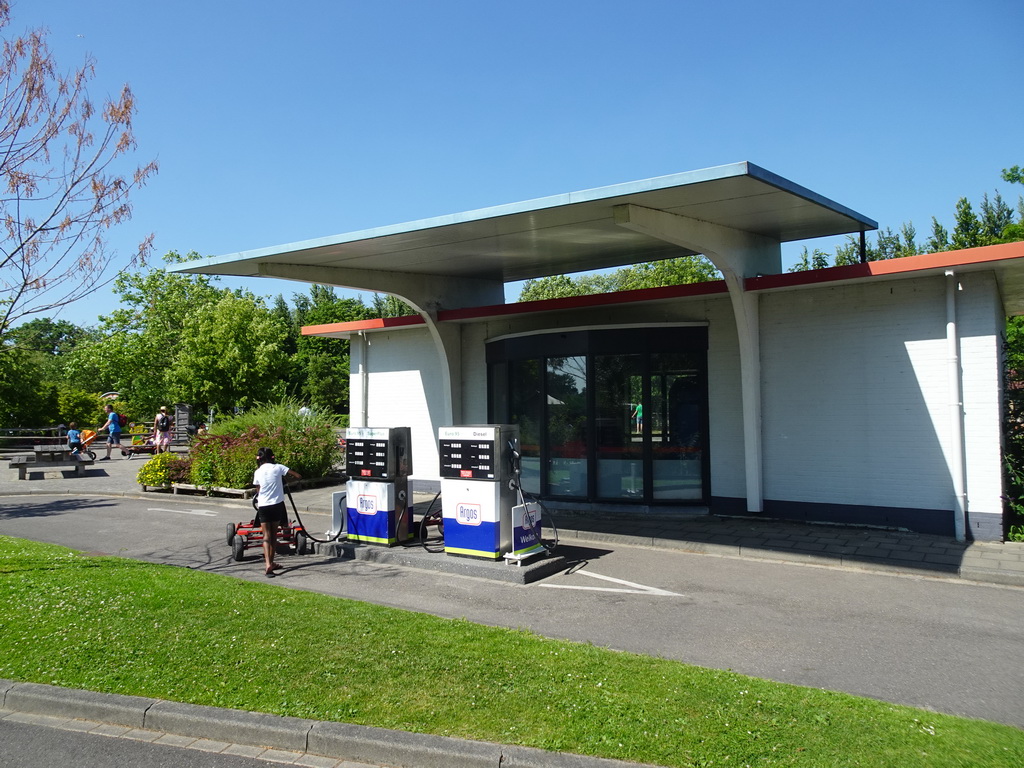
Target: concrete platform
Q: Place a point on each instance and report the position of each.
(415, 556)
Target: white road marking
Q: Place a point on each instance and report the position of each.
(636, 589)
(199, 512)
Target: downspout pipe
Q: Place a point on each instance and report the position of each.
(364, 379)
(957, 459)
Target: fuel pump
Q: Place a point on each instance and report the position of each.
(479, 490)
(378, 461)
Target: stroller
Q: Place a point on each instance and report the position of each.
(88, 438)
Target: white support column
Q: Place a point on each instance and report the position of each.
(737, 255)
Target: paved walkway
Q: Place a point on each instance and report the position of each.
(751, 538)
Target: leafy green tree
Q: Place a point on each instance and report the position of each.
(847, 253)
(142, 337)
(386, 305)
(654, 274)
(967, 232)
(22, 397)
(230, 354)
(319, 372)
(996, 216)
(553, 287)
(51, 337)
(939, 240)
(284, 315)
(817, 259)
(48, 343)
(79, 406)
(909, 246)
(677, 271)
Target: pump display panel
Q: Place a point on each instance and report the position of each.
(467, 459)
(377, 453)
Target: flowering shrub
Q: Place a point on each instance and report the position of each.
(302, 440)
(162, 470)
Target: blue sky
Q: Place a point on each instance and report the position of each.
(275, 122)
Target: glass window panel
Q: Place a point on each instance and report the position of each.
(677, 402)
(618, 386)
(526, 409)
(566, 423)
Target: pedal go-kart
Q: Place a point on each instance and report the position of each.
(291, 538)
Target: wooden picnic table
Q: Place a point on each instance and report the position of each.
(47, 458)
(52, 453)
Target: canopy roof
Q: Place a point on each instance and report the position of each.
(564, 233)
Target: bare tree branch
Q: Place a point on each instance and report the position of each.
(65, 178)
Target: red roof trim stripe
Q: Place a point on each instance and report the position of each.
(941, 260)
(376, 324)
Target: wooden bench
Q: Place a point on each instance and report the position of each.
(26, 464)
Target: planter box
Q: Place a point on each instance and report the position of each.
(245, 493)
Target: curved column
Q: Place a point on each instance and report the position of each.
(737, 255)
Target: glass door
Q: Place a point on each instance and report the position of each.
(567, 426)
(677, 426)
(618, 423)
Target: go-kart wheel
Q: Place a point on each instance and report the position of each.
(238, 548)
(232, 530)
(302, 544)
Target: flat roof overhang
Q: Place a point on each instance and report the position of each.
(562, 234)
(1006, 261)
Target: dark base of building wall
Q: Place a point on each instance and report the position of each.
(937, 522)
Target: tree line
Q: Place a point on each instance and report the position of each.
(177, 338)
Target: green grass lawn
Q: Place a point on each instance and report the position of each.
(120, 626)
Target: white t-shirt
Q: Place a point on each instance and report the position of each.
(268, 478)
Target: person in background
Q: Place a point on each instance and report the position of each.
(113, 427)
(163, 424)
(74, 438)
(270, 509)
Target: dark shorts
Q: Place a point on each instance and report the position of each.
(274, 514)
(114, 438)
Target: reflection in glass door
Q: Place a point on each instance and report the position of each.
(677, 400)
(526, 408)
(566, 424)
(618, 387)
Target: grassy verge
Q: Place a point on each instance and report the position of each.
(121, 626)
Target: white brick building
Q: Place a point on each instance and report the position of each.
(868, 394)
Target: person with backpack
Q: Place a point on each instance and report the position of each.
(113, 427)
(163, 424)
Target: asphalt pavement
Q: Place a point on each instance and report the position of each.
(901, 617)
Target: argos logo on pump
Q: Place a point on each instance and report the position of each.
(366, 505)
(467, 514)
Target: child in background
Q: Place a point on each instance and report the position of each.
(74, 438)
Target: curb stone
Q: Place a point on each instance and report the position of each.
(258, 729)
